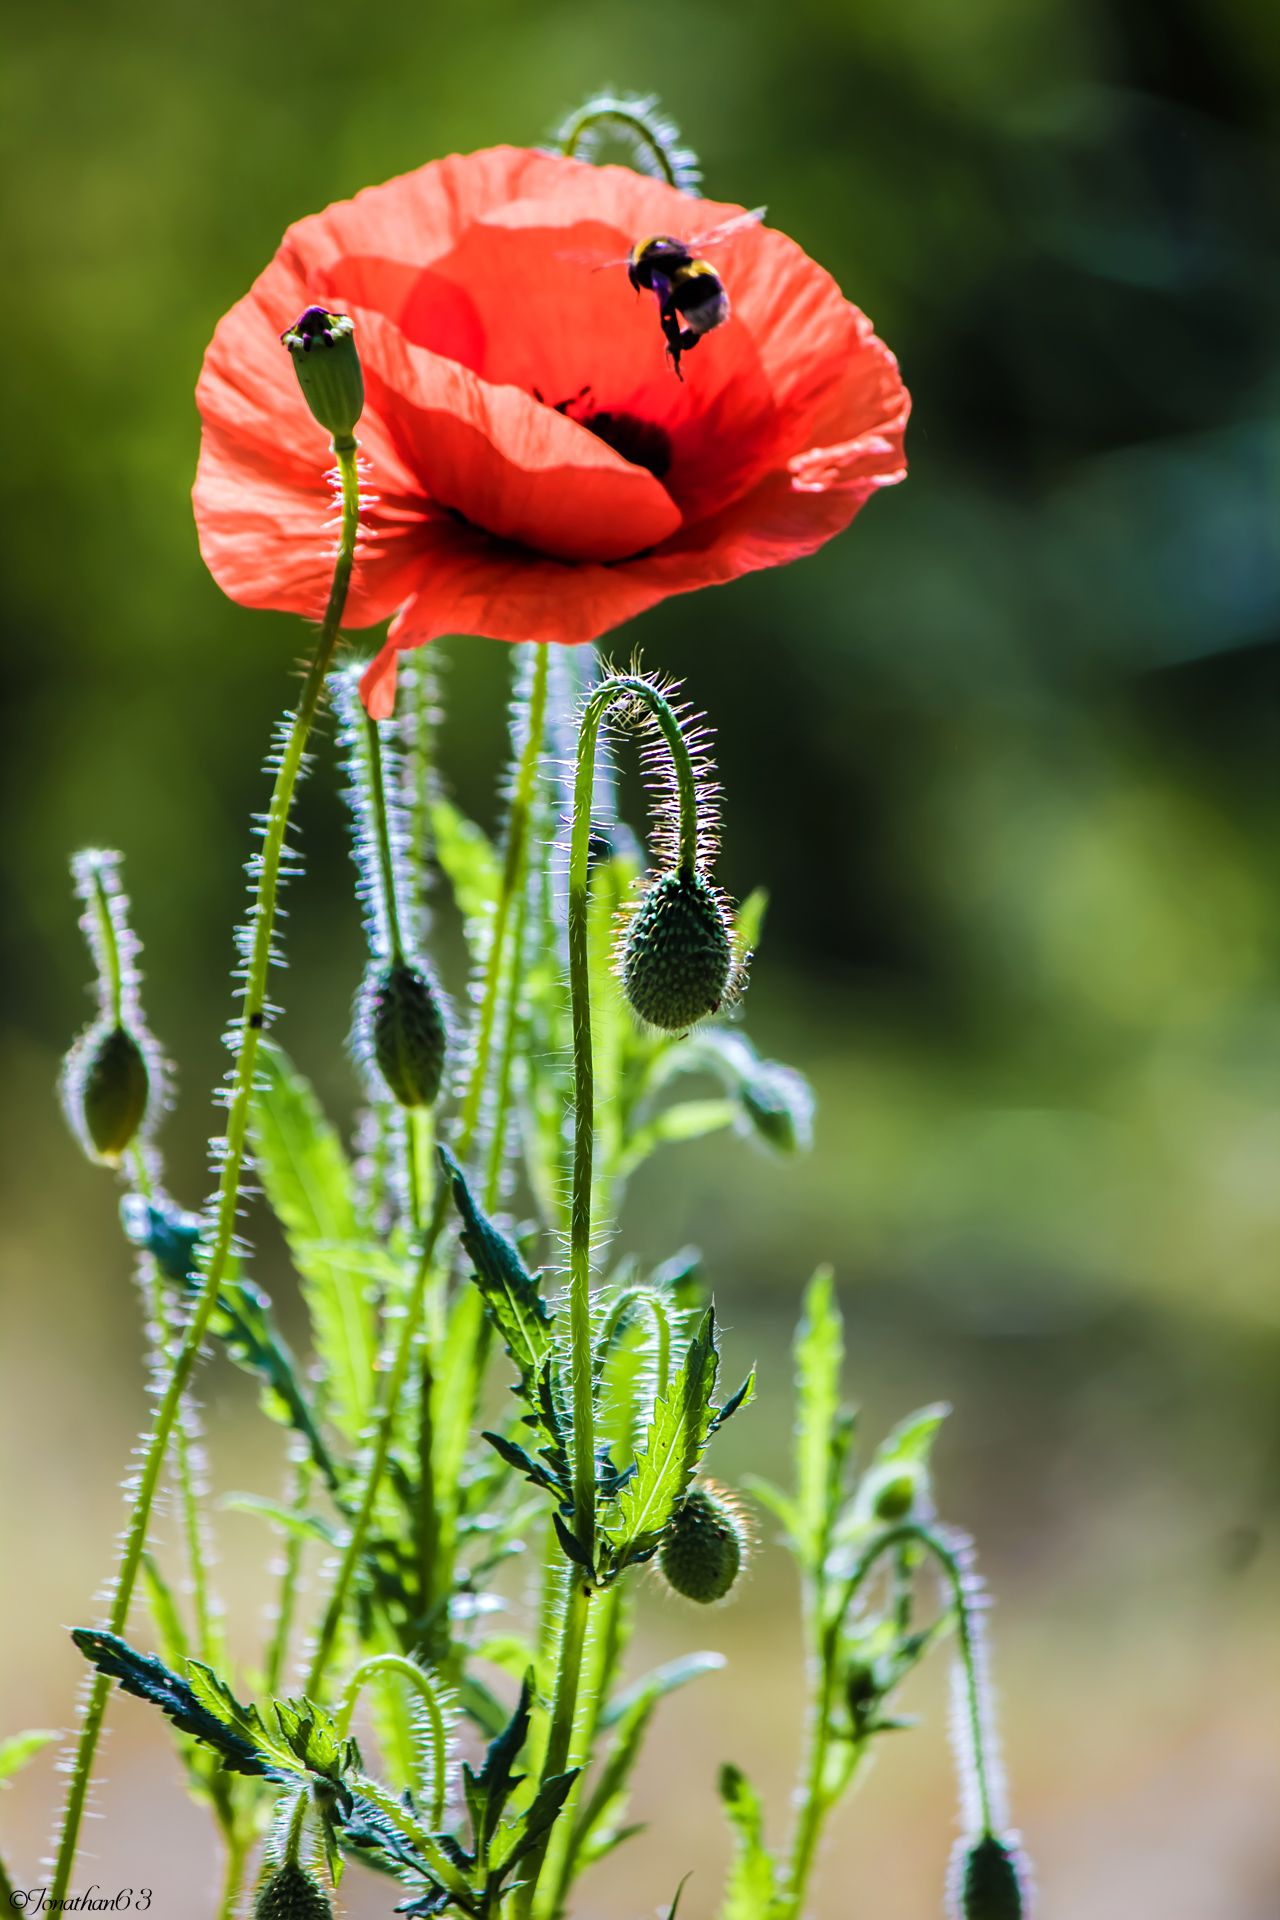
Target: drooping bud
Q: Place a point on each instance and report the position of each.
(990, 1881)
(327, 363)
(702, 1554)
(112, 1084)
(677, 955)
(291, 1893)
(113, 1079)
(408, 1032)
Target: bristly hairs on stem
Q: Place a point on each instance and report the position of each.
(635, 122)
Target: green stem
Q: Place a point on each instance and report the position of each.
(183, 1432)
(278, 1648)
(110, 948)
(468, 1121)
(394, 1663)
(252, 1020)
(382, 828)
(297, 1823)
(603, 1651)
(564, 1707)
(632, 123)
(229, 1900)
(953, 1571)
(811, 1801)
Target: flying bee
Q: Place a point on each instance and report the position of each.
(692, 298)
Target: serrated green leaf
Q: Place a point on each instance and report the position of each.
(164, 1611)
(211, 1714)
(20, 1748)
(304, 1526)
(308, 1182)
(819, 1352)
(749, 1890)
(511, 1296)
(678, 1432)
(235, 1717)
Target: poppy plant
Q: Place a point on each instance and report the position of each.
(532, 468)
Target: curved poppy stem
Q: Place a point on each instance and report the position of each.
(253, 1018)
(579, 1591)
(639, 125)
(395, 1663)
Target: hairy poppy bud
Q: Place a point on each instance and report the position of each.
(677, 957)
(702, 1554)
(408, 1032)
(108, 1084)
(990, 1883)
(291, 1894)
(323, 348)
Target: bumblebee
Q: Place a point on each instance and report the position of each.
(691, 296)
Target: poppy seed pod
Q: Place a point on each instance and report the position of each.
(291, 1893)
(990, 1883)
(110, 1085)
(323, 349)
(677, 956)
(408, 1032)
(702, 1554)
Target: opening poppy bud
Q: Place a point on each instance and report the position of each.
(323, 348)
(109, 1085)
(407, 1027)
(991, 1883)
(292, 1894)
(677, 957)
(702, 1554)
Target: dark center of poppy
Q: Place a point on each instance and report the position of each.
(638, 441)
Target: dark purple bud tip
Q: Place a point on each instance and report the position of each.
(331, 380)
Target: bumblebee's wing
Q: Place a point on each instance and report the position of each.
(727, 228)
(582, 258)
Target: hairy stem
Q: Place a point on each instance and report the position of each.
(394, 1663)
(468, 1121)
(252, 1021)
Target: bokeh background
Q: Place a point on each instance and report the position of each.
(1007, 755)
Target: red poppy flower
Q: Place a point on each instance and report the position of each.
(532, 468)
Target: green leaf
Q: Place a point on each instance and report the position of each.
(819, 1352)
(244, 1722)
(668, 1678)
(678, 1432)
(304, 1526)
(748, 924)
(164, 1611)
(903, 1455)
(689, 1120)
(308, 1181)
(488, 1790)
(750, 1887)
(469, 863)
(602, 1814)
(211, 1714)
(511, 1296)
(19, 1748)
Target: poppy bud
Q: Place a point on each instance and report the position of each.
(702, 1554)
(896, 1495)
(408, 1032)
(863, 1694)
(291, 1894)
(990, 1881)
(107, 1088)
(677, 956)
(325, 359)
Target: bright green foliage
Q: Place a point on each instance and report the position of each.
(682, 1423)
(511, 1296)
(469, 863)
(749, 1891)
(307, 1179)
(19, 1748)
(819, 1354)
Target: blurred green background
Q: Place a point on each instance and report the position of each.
(1006, 756)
